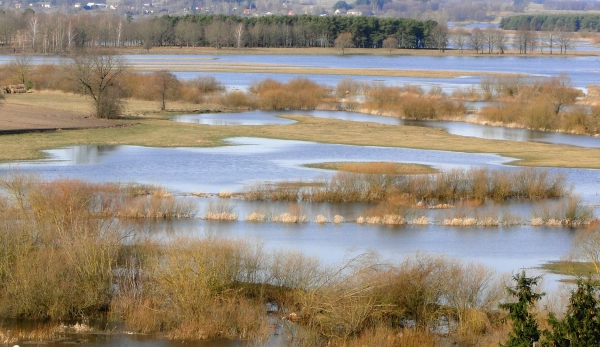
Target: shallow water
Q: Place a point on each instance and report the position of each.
(582, 70)
(249, 160)
(456, 128)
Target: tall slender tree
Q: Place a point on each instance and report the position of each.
(525, 328)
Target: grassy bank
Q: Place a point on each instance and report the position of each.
(157, 131)
(375, 168)
(335, 51)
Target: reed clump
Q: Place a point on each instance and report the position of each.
(220, 211)
(321, 219)
(256, 217)
(289, 218)
(570, 212)
(437, 189)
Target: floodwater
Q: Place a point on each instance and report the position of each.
(455, 128)
(583, 70)
(248, 160)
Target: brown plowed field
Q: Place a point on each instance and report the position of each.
(21, 118)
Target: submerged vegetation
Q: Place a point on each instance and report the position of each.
(65, 256)
(443, 187)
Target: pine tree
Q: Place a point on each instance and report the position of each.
(525, 329)
(581, 326)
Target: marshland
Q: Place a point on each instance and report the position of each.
(358, 217)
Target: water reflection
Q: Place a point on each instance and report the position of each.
(231, 167)
(455, 128)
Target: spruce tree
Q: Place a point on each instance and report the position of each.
(525, 329)
(580, 327)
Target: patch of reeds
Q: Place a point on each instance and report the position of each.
(337, 219)
(225, 194)
(156, 208)
(433, 189)
(570, 212)
(220, 211)
(255, 217)
(289, 218)
(282, 191)
(321, 219)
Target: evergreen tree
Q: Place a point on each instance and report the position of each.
(525, 329)
(581, 325)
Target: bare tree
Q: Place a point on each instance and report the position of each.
(166, 86)
(34, 24)
(343, 41)
(489, 38)
(476, 40)
(565, 40)
(390, 43)
(98, 74)
(239, 35)
(460, 38)
(525, 39)
(20, 66)
(500, 40)
(549, 40)
(439, 37)
(560, 91)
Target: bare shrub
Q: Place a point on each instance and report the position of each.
(206, 84)
(348, 87)
(395, 193)
(298, 94)
(156, 207)
(236, 99)
(221, 210)
(570, 212)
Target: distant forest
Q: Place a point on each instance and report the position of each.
(297, 31)
(57, 33)
(553, 22)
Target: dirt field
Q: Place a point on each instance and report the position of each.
(21, 118)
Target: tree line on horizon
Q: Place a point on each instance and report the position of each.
(553, 22)
(45, 33)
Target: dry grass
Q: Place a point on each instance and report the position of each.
(256, 217)
(375, 168)
(289, 218)
(321, 219)
(220, 211)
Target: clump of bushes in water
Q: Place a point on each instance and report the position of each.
(61, 260)
(298, 94)
(541, 104)
(411, 102)
(452, 185)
